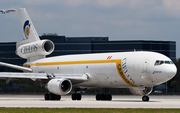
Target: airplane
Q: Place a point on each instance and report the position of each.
(7, 11)
(139, 71)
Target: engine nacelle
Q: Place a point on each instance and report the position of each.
(138, 91)
(37, 48)
(59, 86)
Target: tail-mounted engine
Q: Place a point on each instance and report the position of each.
(34, 49)
(138, 91)
(59, 86)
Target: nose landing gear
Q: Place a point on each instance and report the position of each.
(145, 98)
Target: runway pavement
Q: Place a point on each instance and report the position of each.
(37, 101)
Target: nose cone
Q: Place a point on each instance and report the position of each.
(173, 71)
(165, 73)
(170, 72)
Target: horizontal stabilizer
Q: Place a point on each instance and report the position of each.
(16, 67)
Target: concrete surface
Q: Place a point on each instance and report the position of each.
(37, 101)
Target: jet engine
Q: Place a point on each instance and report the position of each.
(59, 86)
(138, 91)
(37, 48)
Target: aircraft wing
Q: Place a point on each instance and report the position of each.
(75, 78)
(10, 10)
(23, 75)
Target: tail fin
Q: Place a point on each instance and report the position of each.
(31, 47)
(29, 32)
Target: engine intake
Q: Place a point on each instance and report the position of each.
(48, 46)
(59, 86)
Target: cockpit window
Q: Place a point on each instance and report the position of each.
(171, 62)
(157, 62)
(167, 62)
(160, 62)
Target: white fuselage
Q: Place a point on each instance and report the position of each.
(110, 70)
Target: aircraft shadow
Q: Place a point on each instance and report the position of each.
(131, 101)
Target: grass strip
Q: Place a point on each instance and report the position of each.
(85, 110)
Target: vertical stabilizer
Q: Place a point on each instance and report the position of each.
(31, 47)
(29, 32)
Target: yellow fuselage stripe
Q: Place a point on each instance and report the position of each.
(117, 61)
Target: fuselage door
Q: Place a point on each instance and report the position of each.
(145, 63)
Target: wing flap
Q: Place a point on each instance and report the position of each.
(83, 77)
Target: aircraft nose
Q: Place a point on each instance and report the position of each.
(171, 72)
(167, 73)
(174, 70)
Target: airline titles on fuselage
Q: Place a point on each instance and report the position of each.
(29, 49)
(125, 70)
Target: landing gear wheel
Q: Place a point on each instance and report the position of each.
(46, 96)
(103, 97)
(98, 97)
(145, 98)
(109, 97)
(51, 96)
(57, 97)
(76, 96)
(73, 97)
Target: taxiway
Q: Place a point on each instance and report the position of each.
(37, 101)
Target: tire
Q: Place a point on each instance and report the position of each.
(58, 97)
(46, 96)
(51, 97)
(98, 97)
(78, 96)
(103, 97)
(73, 97)
(109, 97)
(145, 98)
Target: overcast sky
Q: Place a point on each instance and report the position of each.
(117, 19)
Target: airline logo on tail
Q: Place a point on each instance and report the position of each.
(26, 29)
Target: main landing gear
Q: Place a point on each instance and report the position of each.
(76, 96)
(145, 98)
(103, 97)
(50, 96)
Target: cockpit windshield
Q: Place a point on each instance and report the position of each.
(160, 62)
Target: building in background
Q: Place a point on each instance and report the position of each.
(85, 45)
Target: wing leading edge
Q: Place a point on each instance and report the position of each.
(75, 78)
